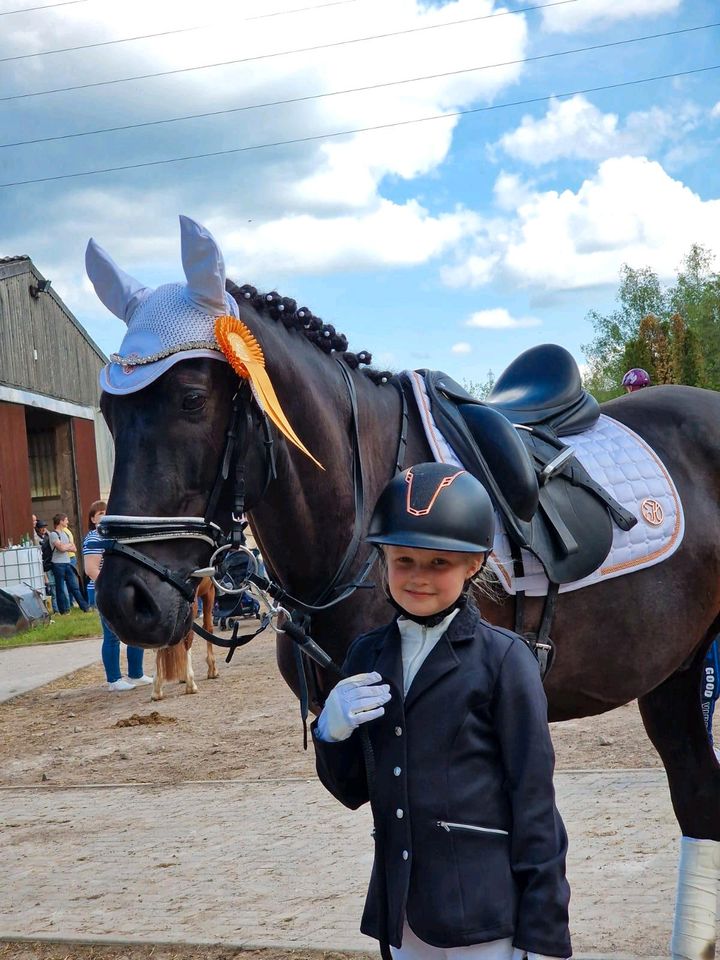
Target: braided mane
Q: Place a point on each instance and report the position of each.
(323, 335)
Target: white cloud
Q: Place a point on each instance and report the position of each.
(511, 191)
(312, 206)
(389, 235)
(578, 16)
(715, 112)
(631, 212)
(576, 129)
(461, 347)
(498, 318)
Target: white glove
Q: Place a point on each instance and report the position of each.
(351, 702)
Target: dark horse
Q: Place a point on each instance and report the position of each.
(642, 635)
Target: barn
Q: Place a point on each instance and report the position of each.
(55, 450)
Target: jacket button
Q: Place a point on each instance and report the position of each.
(399, 813)
(398, 731)
(397, 771)
(405, 854)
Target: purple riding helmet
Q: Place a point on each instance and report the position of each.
(636, 379)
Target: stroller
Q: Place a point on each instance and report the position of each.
(230, 607)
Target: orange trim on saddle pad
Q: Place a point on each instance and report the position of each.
(245, 356)
(445, 482)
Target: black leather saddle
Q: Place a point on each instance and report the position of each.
(511, 442)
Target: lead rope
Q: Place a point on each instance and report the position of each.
(304, 643)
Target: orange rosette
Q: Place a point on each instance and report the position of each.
(245, 356)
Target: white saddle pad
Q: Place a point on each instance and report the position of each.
(624, 465)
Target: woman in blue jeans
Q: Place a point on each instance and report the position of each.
(66, 578)
(92, 558)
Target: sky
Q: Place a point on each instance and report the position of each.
(448, 183)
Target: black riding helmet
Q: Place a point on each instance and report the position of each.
(434, 506)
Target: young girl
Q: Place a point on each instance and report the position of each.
(469, 839)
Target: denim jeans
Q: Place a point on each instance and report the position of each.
(65, 576)
(111, 656)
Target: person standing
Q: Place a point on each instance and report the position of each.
(635, 379)
(66, 578)
(41, 532)
(110, 651)
(469, 845)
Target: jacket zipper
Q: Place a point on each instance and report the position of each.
(471, 829)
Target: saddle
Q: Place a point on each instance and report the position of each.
(512, 443)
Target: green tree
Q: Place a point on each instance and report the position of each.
(673, 333)
(480, 388)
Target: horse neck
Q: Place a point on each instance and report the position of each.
(306, 520)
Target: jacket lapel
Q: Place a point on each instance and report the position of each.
(443, 657)
(389, 661)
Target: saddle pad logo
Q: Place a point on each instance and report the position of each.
(652, 511)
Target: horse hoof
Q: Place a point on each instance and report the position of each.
(213, 676)
(192, 689)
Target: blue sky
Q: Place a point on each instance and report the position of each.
(453, 243)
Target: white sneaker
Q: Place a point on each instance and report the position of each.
(121, 684)
(141, 681)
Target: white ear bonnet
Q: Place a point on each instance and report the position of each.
(171, 323)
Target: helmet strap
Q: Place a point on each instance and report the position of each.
(434, 618)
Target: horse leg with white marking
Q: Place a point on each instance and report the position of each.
(673, 718)
(206, 590)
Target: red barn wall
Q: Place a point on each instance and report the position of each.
(15, 502)
(86, 468)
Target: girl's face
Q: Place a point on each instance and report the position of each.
(97, 517)
(425, 582)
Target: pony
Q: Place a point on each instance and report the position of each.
(175, 662)
(642, 635)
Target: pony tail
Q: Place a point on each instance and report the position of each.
(171, 662)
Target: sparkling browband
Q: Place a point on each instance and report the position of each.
(135, 360)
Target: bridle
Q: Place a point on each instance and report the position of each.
(120, 533)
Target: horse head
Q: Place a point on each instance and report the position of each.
(201, 362)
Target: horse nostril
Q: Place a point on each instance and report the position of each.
(141, 601)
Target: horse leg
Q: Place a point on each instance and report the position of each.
(157, 692)
(190, 685)
(208, 604)
(673, 718)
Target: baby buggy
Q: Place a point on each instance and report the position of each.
(230, 607)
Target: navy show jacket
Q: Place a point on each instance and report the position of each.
(473, 845)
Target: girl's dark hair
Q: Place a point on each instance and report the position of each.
(94, 507)
(58, 517)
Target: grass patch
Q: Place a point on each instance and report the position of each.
(75, 625)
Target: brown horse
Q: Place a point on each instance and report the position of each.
(642, 635)
(175, 663)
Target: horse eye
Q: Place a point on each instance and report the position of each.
(194, 401)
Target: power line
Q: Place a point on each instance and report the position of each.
(169, 33)
(344, 133)
(261, 16)
(338, 93)
(262, 56)
(65, 3)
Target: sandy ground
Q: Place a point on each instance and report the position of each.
(68, 731)
(244, 725)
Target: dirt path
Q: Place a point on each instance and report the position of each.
(67, 732)
(245, 726)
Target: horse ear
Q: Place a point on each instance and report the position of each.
(204, 267)
(120, 292)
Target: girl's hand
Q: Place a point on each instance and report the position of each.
(353, 701)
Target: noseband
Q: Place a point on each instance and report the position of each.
(119, 532)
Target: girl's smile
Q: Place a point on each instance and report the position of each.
(424, 582)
